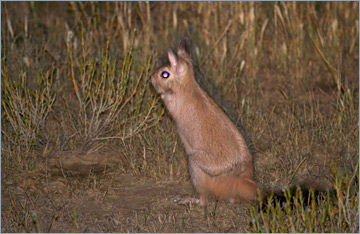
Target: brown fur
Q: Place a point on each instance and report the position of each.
(220, 162)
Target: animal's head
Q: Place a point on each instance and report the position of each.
(175, 76)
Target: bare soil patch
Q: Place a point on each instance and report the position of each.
(82, 199)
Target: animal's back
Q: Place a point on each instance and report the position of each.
(207, 127)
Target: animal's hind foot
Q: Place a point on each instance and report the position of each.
(186, 200)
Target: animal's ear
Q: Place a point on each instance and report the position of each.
(176, 66)
(183, 49)
(172, 58)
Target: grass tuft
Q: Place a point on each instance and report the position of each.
(334, 211)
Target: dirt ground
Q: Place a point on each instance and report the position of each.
(81, 198)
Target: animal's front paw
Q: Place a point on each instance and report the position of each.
(185, 200)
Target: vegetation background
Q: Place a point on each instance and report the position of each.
(87, 146)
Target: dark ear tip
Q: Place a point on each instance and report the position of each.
(184, 46)
(170, 51)
(184, 42)
(185, 39)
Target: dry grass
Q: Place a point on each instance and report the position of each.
(75, 86)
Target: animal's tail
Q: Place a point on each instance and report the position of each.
(288, 194)
(243, 188)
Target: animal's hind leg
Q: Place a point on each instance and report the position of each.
(248, 189)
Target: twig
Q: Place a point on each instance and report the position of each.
(297, 168)
(217, 41)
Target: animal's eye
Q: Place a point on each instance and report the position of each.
(165, 74)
